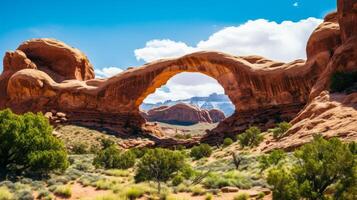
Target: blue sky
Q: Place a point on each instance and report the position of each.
(114, 33)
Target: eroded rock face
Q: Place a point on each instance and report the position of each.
(183, 114)
(51, 75)
(57, 59)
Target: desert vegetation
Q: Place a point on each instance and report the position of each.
(322, 169)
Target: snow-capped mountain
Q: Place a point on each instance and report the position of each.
(217, 101)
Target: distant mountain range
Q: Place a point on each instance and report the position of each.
(217, 101)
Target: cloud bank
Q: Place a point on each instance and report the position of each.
(285, 41)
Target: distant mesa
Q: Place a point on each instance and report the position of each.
(183, 114)
(213, 101)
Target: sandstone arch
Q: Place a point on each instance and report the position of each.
(261, 89)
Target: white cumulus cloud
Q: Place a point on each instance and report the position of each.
(285, 41)
(165, 48)
(107, 72)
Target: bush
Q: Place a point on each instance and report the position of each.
(231, 178)
(241, 196)
(209, 196)
(24, 195)
(112, 157)
(284, 185)
(134, 193)
(198, 190)
(63, 191)
(159, 165)
(80, 148)
(138, 152)
(45, 195)
(177, 180)
(321, 164)
(280, 129)
(272, 159)
(227, 142)
(250, 137)
(203, 150)
(27, 144)
(5, 194)
(342, 81)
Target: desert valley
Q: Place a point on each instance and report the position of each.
(281, 130)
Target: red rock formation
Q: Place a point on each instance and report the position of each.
(261, 90)
(216, 115)
(183, 114)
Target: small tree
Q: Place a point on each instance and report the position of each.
(203, 150)
(27, 144)
(280, 129)
(159, 165)
(284, 185)
(113, 158)
(320, 164)
(250, 137)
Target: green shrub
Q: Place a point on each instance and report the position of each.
(5, 194)
(241, 196)
(27, 144)
(198, 190)
(63, 191)
(203, 150)
(272, 159)
(159, 165)
(231, 178)
(24, 195)
(138, 152)
(284, 185)
(45, 195)
(353, 147)
(280, 129)
(177, 180)
(80, 148)
(250, 137)
(209, 196)
(106, 143)
(134, 193)
(261, 195)
(321, 165)
(227, 142)
(342, 81)
(112, 157)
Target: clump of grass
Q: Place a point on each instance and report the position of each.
(110, 196)
(198, 190)
(45, 195)
(5, 194)
(105, 184)
(117, 172)
(24, 195)
(209, 196)
(136, 191)
(231, 178)
(261, 195)
(241, 196)
(63, 191)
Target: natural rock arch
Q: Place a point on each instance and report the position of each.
(261, 89)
